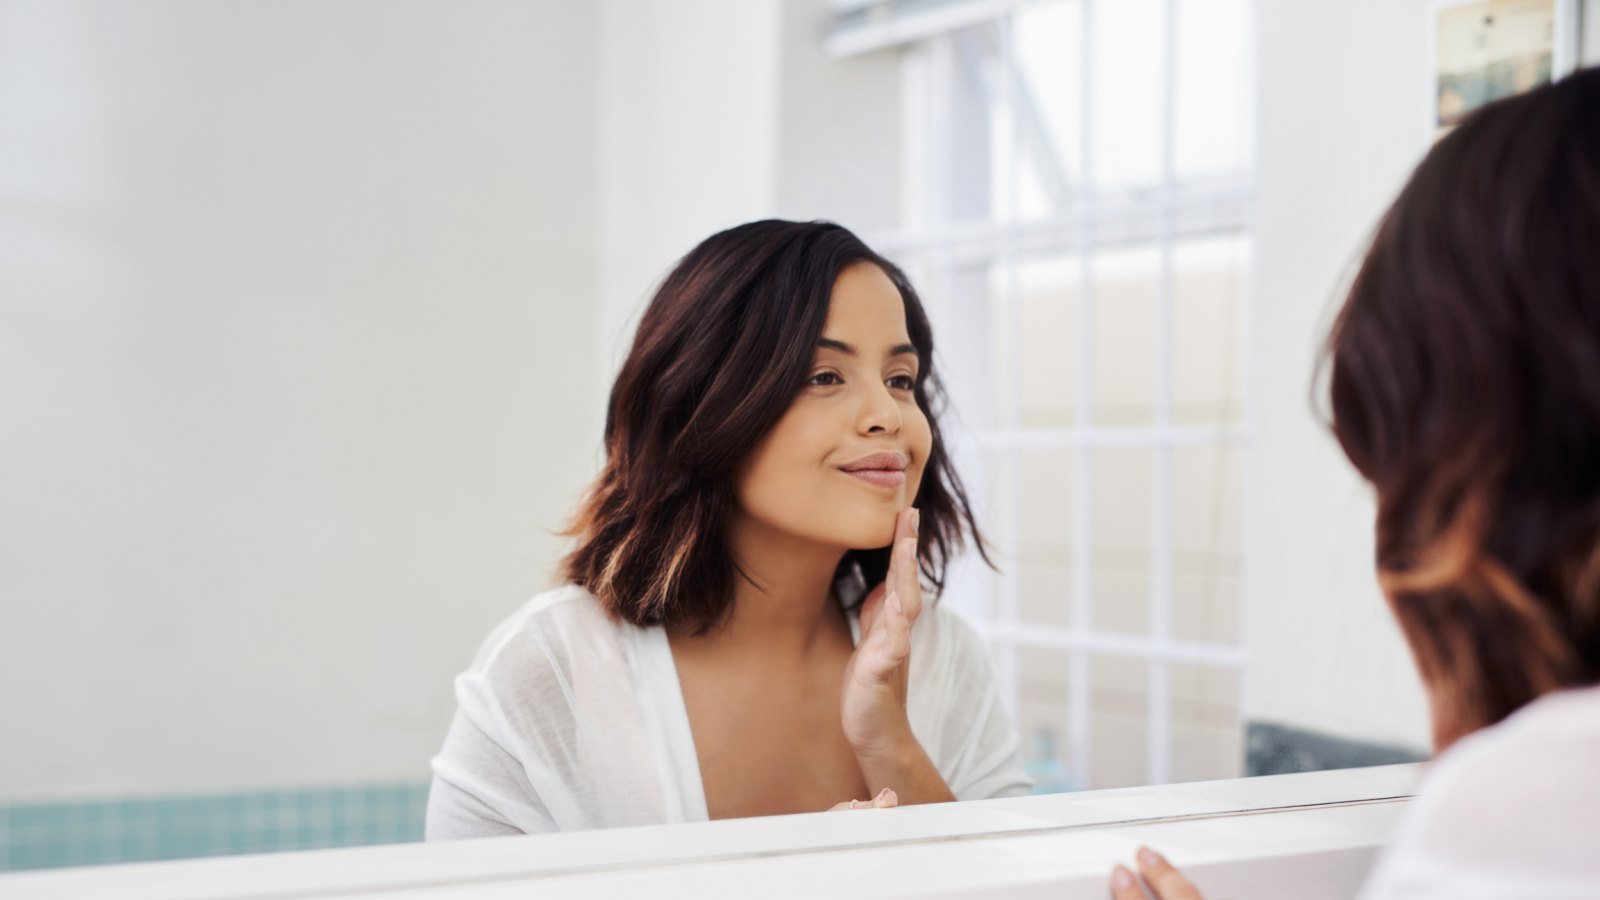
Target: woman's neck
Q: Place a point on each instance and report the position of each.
(783, 602)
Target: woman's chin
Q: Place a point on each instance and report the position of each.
(869, 536)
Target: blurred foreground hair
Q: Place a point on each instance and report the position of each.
(1465, 386)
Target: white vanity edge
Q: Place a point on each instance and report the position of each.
(1310, 835)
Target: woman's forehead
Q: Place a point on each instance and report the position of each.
(866, 310)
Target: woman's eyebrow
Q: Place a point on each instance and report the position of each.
(850, 350)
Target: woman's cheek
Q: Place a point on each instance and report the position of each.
(914, 483)
(921, 449)
(923, 439)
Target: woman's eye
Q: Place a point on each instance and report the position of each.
(825, 379)
(903, 382)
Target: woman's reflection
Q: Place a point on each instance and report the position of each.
(743, 631)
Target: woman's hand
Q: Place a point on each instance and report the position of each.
(1164, 881)
(885, 800)
(873, 705)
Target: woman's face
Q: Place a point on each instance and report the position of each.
(850, 451)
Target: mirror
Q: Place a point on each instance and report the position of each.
(309, 313)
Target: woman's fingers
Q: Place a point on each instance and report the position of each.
(901, 579)
(886, 799)
(1125, 885)
(888, 646)
(1166, 882)
(896, 632)
(909, 587)
(904, 525)
(891, 608)
(872, 607)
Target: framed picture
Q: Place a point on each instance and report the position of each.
(1483, 50)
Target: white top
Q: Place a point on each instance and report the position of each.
(1511, 811)
(570, 720)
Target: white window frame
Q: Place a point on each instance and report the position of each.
(1174, 211)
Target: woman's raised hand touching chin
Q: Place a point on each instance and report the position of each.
(874, 702)
(873, 705)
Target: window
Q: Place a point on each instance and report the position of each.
(1077, 194)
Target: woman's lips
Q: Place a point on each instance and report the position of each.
(889, 478)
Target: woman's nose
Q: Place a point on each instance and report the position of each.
(880, 413)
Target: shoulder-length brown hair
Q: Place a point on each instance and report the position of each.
(721, 351)
(1465, 386)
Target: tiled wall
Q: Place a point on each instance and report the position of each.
(135, 830)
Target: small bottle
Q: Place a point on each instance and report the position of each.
(1043, 763)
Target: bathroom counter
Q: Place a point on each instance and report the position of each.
(1308, 836)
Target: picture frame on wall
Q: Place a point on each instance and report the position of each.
(1483, 50)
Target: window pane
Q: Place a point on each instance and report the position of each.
(1126, 287)
(956, 297)
(1044, 704)
(1046, 124)
(1119, 529)
(1119, 723)
(1206, 542)
(1047, 318)
(1215, 134)
(1044, 536)
(1210, 283)
(1205, 606)
(1128, 66)
(1205, 730)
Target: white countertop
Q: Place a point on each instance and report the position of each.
(1309, 836)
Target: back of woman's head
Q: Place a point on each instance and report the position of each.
(721, 352)
(1465, 386)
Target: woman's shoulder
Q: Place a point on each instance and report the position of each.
(950, 627)
(547, 635)
(944, 637)
(1543, 754)
(1517, 799)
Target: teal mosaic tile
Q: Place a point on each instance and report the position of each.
(143, 829)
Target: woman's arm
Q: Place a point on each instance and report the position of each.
(479, 788)
(905, 768)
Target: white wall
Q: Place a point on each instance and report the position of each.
(1589, 21)
(288, 384)
(1342, 93)
(717, 112)
(839, 147)
(687, 142)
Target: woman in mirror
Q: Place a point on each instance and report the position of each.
(1465, 387)
(743, 629)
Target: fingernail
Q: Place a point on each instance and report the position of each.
(882, 794)
(916, 521)
(1149, 858)
(1121, 878)
(894, 603)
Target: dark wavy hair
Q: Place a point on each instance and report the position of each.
(721, 352)
(1464, 381)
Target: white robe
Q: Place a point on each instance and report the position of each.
(569, 720)
(1511, 811)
